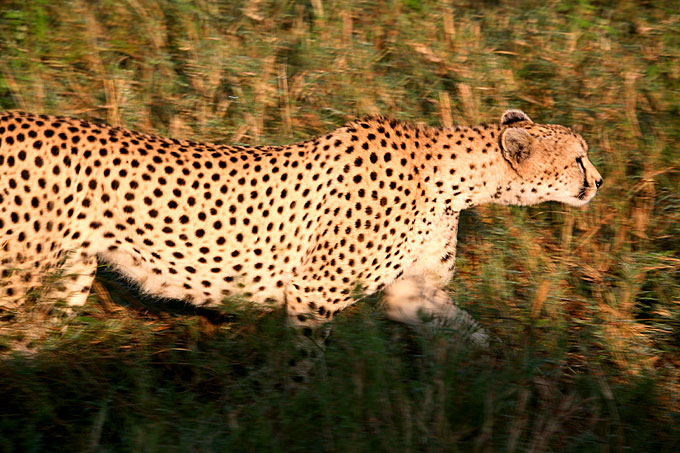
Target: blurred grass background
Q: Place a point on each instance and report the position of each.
(586, 301)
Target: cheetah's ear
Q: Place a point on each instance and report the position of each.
(514, 116)
(516, 145)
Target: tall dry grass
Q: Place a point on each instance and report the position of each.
(576, 293)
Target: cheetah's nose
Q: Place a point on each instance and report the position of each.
(598, 183)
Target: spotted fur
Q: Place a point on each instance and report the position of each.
(374, 202)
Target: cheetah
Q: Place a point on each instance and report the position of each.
(375, 203)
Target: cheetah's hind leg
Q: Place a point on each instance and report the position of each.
(45, 279)
(78, 274)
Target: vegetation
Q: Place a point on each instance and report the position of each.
(585, 301)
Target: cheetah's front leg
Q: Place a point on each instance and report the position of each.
(418, 301)
(308, 315)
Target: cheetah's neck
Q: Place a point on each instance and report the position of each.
(467, 169)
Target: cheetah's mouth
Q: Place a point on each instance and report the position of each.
(581, 199)
(585, 194)
(581, 193)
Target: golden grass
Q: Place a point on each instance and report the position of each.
(272, 72)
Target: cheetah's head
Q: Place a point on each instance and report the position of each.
(550, 160)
